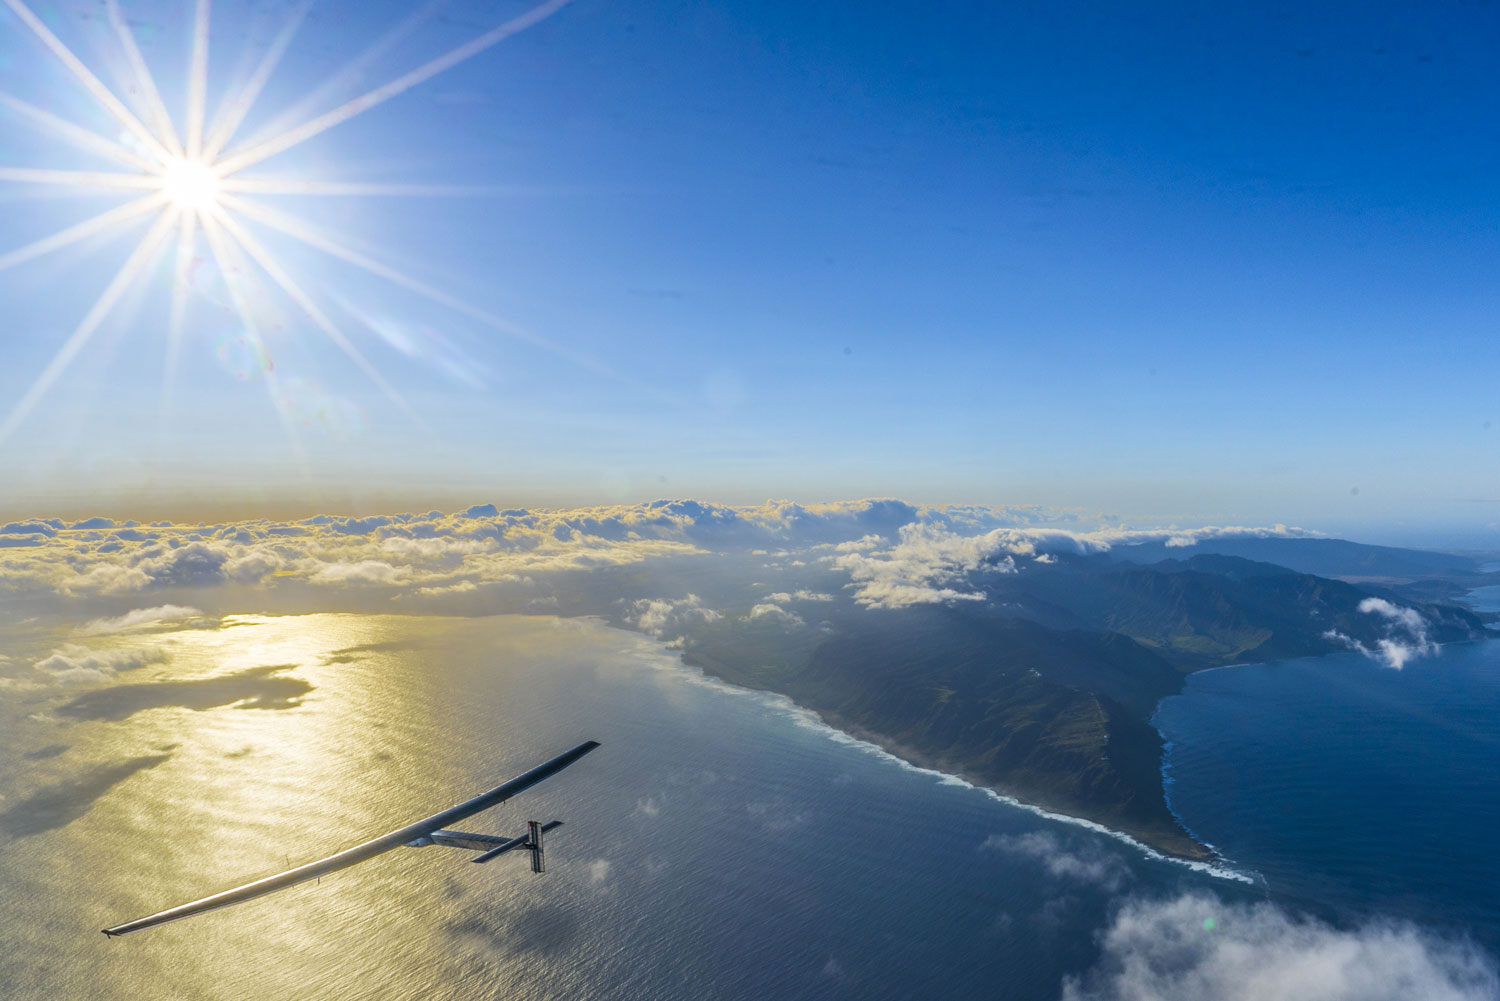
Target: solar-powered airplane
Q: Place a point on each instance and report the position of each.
(424, 832)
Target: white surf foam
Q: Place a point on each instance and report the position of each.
(665, 658)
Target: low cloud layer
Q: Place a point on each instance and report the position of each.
(929, 562)
(1196, 947)
(889, 553)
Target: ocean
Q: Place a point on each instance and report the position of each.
(720, 844)
(1349, 787)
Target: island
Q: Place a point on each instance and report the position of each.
(1044, 687)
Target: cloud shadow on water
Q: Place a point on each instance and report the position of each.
(544, 929)
(350, 654)
(257, 688)
(61, 803)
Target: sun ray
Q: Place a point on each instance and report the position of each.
(77, 178)
(258, 186)
(91, 83)
(269, 265)
(277, 144)
(74, 134)
(186, 232)
(133, 266)
(227, 122)
(348, 73)
(89, 227)
(143, 79)
(229, 268)
(313, 237)
(197, 83)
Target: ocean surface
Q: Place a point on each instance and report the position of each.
(1485, 599)
(721, 844)
(1351, 788)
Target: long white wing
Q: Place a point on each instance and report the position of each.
(360, 852)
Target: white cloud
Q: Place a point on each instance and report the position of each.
(1405, 639)
(920, 566)
(459, 588)
(766, 610)
(363, 572)
(785, 597)
(159, 615)
(1196, 947)
(105, 578)
(929, 562)
(1089, 864)
(599, 870)
(895, 553)
(76, 664)
(660, 616)
(196, 564)
(1406, 618)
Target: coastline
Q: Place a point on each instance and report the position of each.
(1177, 847)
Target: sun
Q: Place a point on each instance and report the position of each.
(189, 181)
(191, 185)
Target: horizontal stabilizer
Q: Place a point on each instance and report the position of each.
(513, 843)
(524, 841)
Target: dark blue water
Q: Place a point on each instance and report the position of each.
(1352, 788)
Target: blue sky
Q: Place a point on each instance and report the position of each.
(1192, 263)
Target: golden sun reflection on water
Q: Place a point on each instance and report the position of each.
(331, 729)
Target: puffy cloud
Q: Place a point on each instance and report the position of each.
(44, 528)
(105, 578)
(461, 587)
(785, 597)
(1405, 638)
(363, 572)
(766, 610)
(919, 568)
(1405, 618)
(252, 563)
(663, 616)
(929, 562)
(159, 615)
(1196, 947)
(1088, 864)
(196, 564)
(76, 664)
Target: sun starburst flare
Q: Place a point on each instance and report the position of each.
(191, 183)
